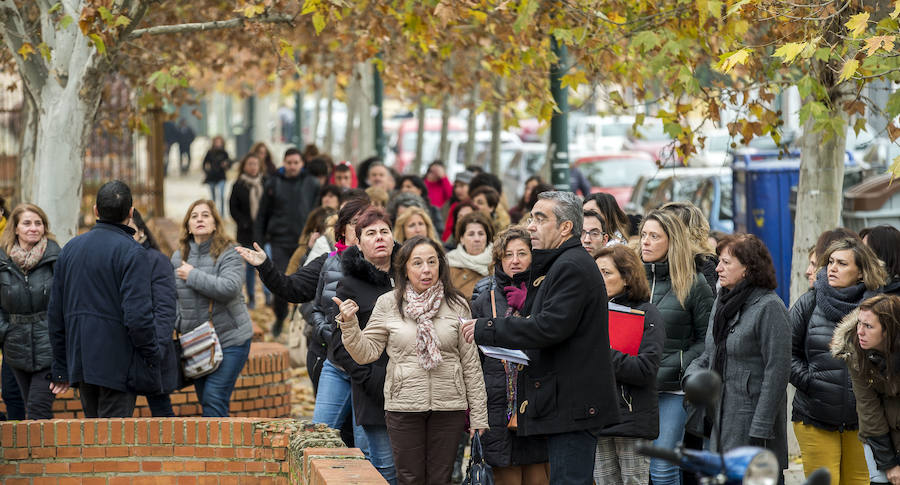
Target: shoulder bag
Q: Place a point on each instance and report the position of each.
(200, 350)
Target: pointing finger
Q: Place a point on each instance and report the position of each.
(337, 301)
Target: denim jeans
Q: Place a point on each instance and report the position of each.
(217, 192)
(380, 454)
(334, 404)
(672, 417)
(214, 390)
(572, 457)
(875, 475)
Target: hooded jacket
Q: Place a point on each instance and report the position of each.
(284, 207)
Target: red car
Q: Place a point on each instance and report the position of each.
(615, 173)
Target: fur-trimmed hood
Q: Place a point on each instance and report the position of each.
(355, 265)
(842, 347)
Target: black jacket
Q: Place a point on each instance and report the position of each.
(101, 313)
(24, 334)
(285, 205)
(636, 378)
(162, 287)
(568, 384)
(239, 206)
(706, 265)
(501, 446)
(215, 164)
(323, 308)
(299, 287)
(364, 284)
(685, 326)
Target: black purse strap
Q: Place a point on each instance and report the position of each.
(477, 452)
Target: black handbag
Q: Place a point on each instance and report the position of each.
(478, 472)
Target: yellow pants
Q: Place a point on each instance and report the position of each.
(840, 452)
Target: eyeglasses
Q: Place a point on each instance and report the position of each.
(592, 234)
(539, 220)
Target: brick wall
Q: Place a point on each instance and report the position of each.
(177, 450)
(260, 391)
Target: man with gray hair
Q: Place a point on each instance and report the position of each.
(567, 391)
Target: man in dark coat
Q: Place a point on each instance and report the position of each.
(101, 316)
(567, 391)
(287, 200)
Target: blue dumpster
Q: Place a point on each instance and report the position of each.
(762, 192)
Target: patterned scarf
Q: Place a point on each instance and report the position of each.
(422, 307)
(26, 260)
(255, 186)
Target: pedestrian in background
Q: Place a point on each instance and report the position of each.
(414, 222)
(244, 201)
(824, 408)
(616, 220)
(697, 225)
(439, 188)
(684, 299)
(617, 460)
(162, 290)
(470, 261)
(885, 242)
(261, 151)
(28, 252)
(215, 163)
(748, 344)
(101, 313)
(186, 137)
(208, 277)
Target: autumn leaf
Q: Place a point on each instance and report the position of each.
(44, 50)
(98, 43)
(893, 131)
(573, 80)
(879, 41)
(527, 8)
(615, 17)
(789, 51)
(728, 60)
(26, 50)
(896, 11)
(857, 23)
(251, 10)
(121, 21)
(65, 21)
(318, 22)
(848, 70)
(855, 107)
(894, 169)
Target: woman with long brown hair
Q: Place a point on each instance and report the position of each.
(208, 279)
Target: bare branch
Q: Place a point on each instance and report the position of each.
(33, 70)
(213, 25)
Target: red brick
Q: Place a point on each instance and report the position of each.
(90, 432)
(119, 480)
(190, 430)
(103, 432)
(153, 480)
(93, 452)
(45, 481)
(213, 432)
(93, 481)
(234, 466)
(75, 433)
(117, 451)
(35, 432)
(154, 432)
(115, 432)
(117, 466)
(7, 470)
(183, 451)
(57, 467)
(62, 433)
(226, 480)
(73, 405)
(47, 452)
(15, 453)
(161, 450)
(17, 481)
(215, 466)
(174, 466)
(224, 452)
(141, 426)
(182, 480)
(194, 466)
(203, 432)
(81, 467)
(128, 429)
(204, 452)
(21, 435)
(167, 432)
(273, 467)
(243, 452)
(68, 452)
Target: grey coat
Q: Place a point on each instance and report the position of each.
(218, 280)
(754, 395)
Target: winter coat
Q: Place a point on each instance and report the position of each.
(706, 265)
(568, 384)
(24, 335)
(685, 325)
(753, 403)
(323, 308)
(215, 164)
(456, 384)
(162, 289)
(636, 378)
(219, 281)
(299, 287)
(284, 207)
(501, 446)
(824, 396)
(100, 314)
(877, 398)
(239, 207)
(364, 283)
(892, 287)
(464, 280)
(439, 192)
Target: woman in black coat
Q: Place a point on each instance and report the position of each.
(514, 459)
(244, 206)
(28, 252)
(884, 241)
(162, 287)
(616, 460)
(215, 164)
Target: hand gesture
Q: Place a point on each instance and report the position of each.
(59, 387)
(347, 307)
(893, 475)
(473, 430)
(468, 330)
(312, 239)
(183, 271)
(255, 258)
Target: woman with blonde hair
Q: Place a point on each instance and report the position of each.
(27, 253)
(209, 274)
(414, 222)
(705, 258)
(684, 298)
(824, 408)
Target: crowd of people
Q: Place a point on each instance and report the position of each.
(403, 282)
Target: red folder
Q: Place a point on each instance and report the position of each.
(626, 330)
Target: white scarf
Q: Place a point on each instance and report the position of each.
(459, 258)
(254, 184)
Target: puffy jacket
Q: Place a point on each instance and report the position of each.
(685, 325)
(501, 446)
(24, 334)
(323, 308)
(217, 280)
(636, 378)
(284, 207)
(456, 384)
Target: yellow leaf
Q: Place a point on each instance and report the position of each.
(896, 11)
(789, 51)
(810, 48)
(478, 15)
(728, 60)
(251, 11)
(879, 41)
(573, 80)
(615, 17)
(318, 22)
(848, 70)
(26, 50)
(857, 23)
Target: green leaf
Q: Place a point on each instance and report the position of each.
(859, 125)
(98, 43)
(672, 129)
(808, 85)
(44, 49)
(573, 80)
(105, 14)
(527, 8)
(892, 108)
(309, 6)
(65, 21)
(646, 40)
(121, 21)
(737, 6)
(318, 22)
(812, 108)
(822, 54)
(55, 8)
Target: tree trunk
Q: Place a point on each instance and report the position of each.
(420, 138)
(496, 129)
(27, 147)
(366, 139)
(471, 128)
(317, 111)
(329, 112)
(444, 148)
(351, 94)
(819, 195)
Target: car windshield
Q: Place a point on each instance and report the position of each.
(616, 172)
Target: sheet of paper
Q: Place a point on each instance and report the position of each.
(510, 355)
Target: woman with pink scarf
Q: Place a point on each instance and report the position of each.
(433, 375)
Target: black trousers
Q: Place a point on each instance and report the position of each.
(103, 402)
(35, 388)
(424, 444)
(281, 256)
(11, 394)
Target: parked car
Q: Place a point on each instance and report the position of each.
(709, 188)
(456, 155)
(403, 143)
(615, 173)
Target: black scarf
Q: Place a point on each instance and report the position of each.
(836, 303)
(729, 304)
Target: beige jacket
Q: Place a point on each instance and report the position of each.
(456, 384)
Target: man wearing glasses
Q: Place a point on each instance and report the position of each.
(593, 237)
